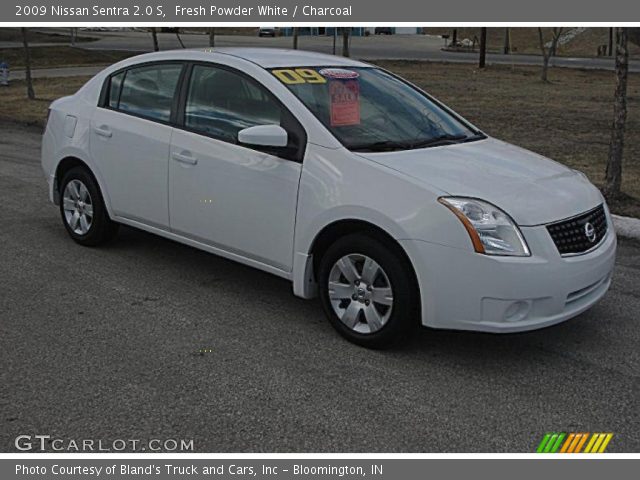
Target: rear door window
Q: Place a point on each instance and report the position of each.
(147, 91)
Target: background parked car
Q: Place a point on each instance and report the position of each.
(383, 31)
(267, 32)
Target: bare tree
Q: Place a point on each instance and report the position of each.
(212, 37)
(295, 38)
(178, 37)
(27, 64)
(483, 48)
(547, 53)
(613, 177)
(154, 36)
(345, 41)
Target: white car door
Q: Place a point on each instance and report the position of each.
(233, 197)
(130, 137)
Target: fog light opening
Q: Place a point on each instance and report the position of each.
(517, 311)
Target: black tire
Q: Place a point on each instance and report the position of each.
(102, 229)
(405, 308)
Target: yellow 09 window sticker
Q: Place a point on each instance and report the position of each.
(291, 76)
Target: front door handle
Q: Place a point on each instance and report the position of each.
(185, 158)
(103, 131)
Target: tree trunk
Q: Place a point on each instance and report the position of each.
(610, 48)
(507, 41)
(295, 38)
(545, 56)
(27, 65)
(154, 36)
(179, 39)
(212, 37)
(545, 68)
(345, 41)
(454, 37)
(483, 48)
(547, 53)
(613, 177)
(557, 32)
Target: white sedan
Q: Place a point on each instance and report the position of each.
(337, 175)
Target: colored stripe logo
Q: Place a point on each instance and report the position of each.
(559, 442)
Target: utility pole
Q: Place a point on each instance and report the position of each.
(345, 41)
(335, 36)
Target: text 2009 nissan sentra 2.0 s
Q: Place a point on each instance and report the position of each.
(337, 175)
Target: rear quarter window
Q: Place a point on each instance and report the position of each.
(115, 86)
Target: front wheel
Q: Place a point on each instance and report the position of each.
(367, 291)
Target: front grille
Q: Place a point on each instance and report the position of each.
(571, 235)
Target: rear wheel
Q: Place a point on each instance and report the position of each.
(82, 209)
(367, 291)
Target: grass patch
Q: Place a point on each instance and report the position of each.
(17, 108)
(568, 120)
(62, 56)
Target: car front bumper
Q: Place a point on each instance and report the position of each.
(464, 290)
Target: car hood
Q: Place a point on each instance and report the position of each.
(533, 189)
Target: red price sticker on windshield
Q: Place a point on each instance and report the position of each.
(345, 102)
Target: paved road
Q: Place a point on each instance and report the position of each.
(410, 47)
(101, 343)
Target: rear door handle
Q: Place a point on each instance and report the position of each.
(103, 131)
(185, 158)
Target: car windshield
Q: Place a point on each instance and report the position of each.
(368, 109)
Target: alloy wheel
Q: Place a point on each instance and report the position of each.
(78, 207)
(360, 293)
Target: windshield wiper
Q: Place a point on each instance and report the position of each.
(474, 137)
(446, 139)
(383, 146)
(392, 145)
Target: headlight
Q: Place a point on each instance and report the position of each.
(492, 231)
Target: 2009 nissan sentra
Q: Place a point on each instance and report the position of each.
(350, 182)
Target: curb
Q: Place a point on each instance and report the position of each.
(627, 226)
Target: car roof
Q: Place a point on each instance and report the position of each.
(263, 57)
(283, 57)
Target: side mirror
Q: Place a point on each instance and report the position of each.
(264, 136)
